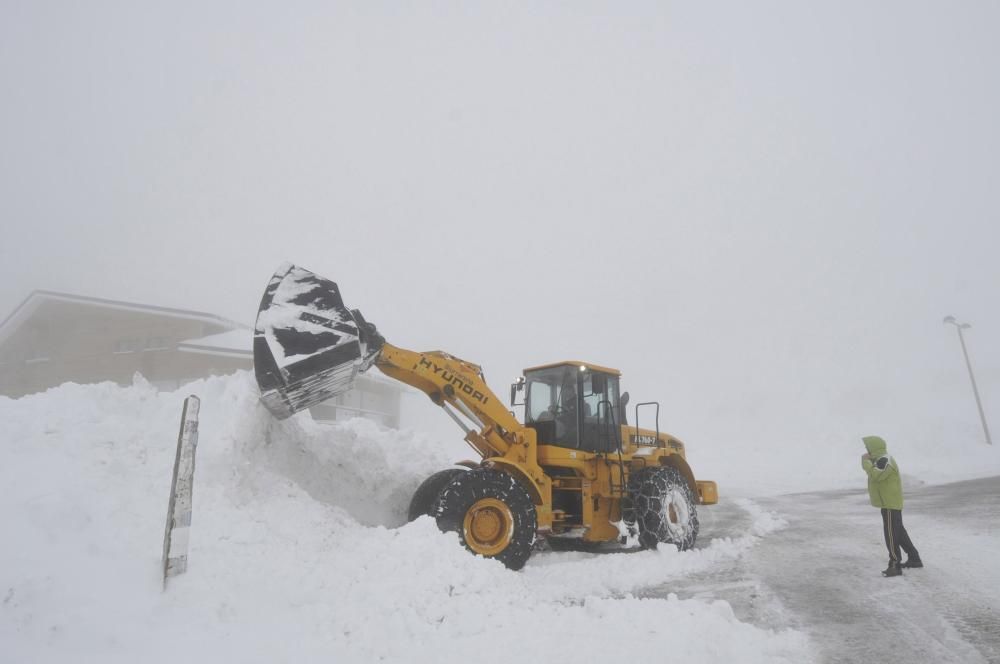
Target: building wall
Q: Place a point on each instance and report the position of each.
(76, 342)
(64, 341)
(374, 399)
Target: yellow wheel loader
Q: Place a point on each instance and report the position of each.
(574, 471)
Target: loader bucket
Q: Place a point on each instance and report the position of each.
(307, 346)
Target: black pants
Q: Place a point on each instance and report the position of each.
(896, 537)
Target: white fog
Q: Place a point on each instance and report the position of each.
(759, 213)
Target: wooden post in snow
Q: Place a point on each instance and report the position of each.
(175, 539)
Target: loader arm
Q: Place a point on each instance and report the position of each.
(454, 383)
(460, 384)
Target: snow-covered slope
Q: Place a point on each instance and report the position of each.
(298, 552)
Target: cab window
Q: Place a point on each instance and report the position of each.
(568, 407)
(551, 405)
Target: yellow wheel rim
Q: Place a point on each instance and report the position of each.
(488, 526)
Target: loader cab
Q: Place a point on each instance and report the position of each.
(574, 405)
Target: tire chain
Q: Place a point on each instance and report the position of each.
(645, 509)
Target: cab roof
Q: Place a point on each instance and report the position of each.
(576, 363)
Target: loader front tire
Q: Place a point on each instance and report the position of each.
(492, 514)
(425, 497)
(662, 508)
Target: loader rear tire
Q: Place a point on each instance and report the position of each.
(662, 508)
(492, 514)
(425, 497)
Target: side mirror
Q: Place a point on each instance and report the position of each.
(624, 400)
(516, 387)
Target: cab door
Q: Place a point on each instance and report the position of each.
(600, 412)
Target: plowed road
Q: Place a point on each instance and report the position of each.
(821, 574)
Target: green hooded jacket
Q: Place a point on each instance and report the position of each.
(884, 485)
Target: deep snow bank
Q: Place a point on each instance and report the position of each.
(293, 554)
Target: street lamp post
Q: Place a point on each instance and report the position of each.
(972, 377)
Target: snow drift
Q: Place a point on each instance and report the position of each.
(298, 550)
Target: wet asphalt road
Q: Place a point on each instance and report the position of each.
(821, 574)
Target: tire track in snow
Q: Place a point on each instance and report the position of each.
(970, 615)
(821, 576)
(751, 600)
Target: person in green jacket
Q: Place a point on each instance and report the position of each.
(886, 492)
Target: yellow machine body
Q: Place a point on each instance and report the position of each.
(594, 482)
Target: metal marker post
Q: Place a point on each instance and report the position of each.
(175, 539)
(972, 377)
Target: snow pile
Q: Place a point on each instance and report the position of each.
(765, 522)
(294, 550)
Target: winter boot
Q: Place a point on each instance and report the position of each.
(913, 562)
(892, 570)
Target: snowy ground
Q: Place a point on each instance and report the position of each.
(820, 575)
(298, 551)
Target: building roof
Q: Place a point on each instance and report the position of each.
(39, 297)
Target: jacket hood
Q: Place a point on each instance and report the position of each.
(875, 446)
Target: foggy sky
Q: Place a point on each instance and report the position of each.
(759, 214)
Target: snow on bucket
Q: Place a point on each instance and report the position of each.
(308, 346)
